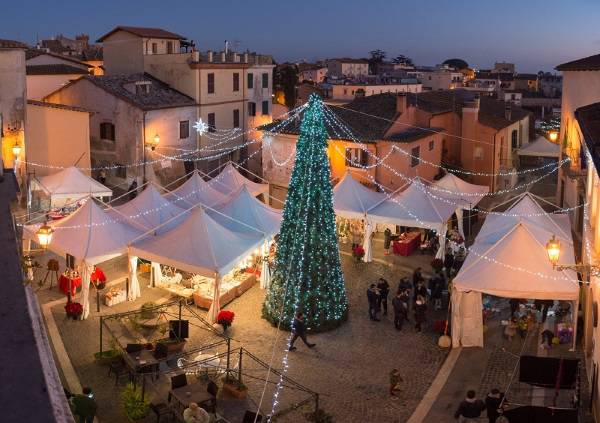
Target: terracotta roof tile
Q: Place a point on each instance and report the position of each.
(585, 64)
(57, 69)
(144, 32)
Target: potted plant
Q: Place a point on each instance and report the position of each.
(74, 310)
(172, 345)
(234, 387)
(358, 252)
(108, 356)
(437, 264)
(135, 407)
(148, 310)
(225, 318)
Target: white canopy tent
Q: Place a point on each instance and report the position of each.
(464, 194)
(230, 180)
(509, 259)
(351, 199)
(243, 211)
(196, 191)
(69, 185)
(90, 235)
(200, 245)
(540, 147)
(416, 206)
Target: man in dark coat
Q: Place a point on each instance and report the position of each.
(384, 289)
(417, 276)
(299, 331)
(84, 406)
(470, 408)
(492, 404)
(400, 306)
(373, 299)
(404, 285)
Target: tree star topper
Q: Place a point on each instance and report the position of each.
(201, 127)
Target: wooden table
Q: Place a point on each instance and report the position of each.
(64, 282)
(195, 392)
(405, 246)
(142, 361)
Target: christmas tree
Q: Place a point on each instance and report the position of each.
(308, 275)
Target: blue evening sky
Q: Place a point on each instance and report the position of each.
(535, 34)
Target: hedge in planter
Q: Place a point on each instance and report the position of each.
(135, 407)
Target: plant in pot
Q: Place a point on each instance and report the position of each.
(234, 386)
(148, 310)
(135, 407)
(74, 310)
(108, 356)
(225, 318)
(358, 252)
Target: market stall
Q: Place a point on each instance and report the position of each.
(462, 193)
(539, 152)
(509, 259)
(65, 187)
(230, 180)
(210, 251)
(91, 236)
(416, 206)
(196, 191)
(351, 199)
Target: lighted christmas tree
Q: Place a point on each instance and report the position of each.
(308, 275)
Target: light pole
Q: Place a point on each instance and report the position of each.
(553, 250)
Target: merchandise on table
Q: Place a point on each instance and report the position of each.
(115, 296)
(72, 278)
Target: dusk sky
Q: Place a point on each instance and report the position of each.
(534, 34)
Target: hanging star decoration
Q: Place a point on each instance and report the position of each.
(201, 127)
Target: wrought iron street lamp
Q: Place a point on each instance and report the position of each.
(44, 235)
(16, 149)
(553, 250)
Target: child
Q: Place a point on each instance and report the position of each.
(395, 380)
(511, 329)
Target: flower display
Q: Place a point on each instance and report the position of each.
(225, 318)
(74, 309)
(358, 252)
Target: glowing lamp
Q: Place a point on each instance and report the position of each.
(44, 234)
(553, 135)
(153, 143)
(16, 149)
(553, 249)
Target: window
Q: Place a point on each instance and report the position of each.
(514, 139)
(356, 157)
(107, 131)
(211, 122)
(251, 108)
(184, 129)
(265, 107)
(142, 88)
(415, 156)
(169, 47)
(250, 81)
(236, 81)
(431, 145)
(478, 153)
(211, 83)
(236, 118)
(154, 48)
(265, 80)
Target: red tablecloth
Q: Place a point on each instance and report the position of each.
(63, 283)
(406, 246)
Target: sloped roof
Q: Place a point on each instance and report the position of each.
(230, 180)
(12, 44)
(143, 32)
(196, 191)
(540, 147)
(589, 63)
(72, 183)
(57, 69)
(32, 53)
(412, 134)
(352, 199)
(58, 106)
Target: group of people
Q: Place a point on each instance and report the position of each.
(415, 293)
(470, 408)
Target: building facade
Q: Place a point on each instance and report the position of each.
(347, 68)
(443, 79)
(348, 92)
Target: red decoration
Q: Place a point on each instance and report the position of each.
(98, 275)
(437, 264)
(74, 309)
(358, 252)
(225, 317)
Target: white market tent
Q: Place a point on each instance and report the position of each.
(196, 191)
(540, 147)
(199, 245)
(90, 235)
(230, 180)
(464, 194)
(509, 259)
(149, 209)
(351, 199)
(69, 185)
(416, 206)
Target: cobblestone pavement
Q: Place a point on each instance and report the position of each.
(349, 367)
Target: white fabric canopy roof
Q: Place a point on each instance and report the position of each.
(246, 211)
(148, 209)
(230, 180)
(540, 147)
(196, 191)
(463, 193)
(199, 245)
(351, 199)
(417, 208)
(71, 183)
(89, 234)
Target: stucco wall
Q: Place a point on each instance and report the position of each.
(58, 137)
(39, 86)
(348, 92)
(174, 70)
(123, 53)
(12, 102)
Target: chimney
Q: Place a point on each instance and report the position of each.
(246, 57)
(401, 102)
(226, 47)
(507, 110)
(236, 57)
(210, 56)
(476, 102)
(195, 56)
(472, 108)
(223, 57)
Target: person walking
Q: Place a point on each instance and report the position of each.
(417, 277)
(373, 299)
(420, 291)
(437, 286)
(133, 190)
(387, 240)
(404, 285)
(299, 331)
(469, 409)
(395, 380)
(400, 310)
(84, 406)
(384, 289)
(420, 309)
(492, 404)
